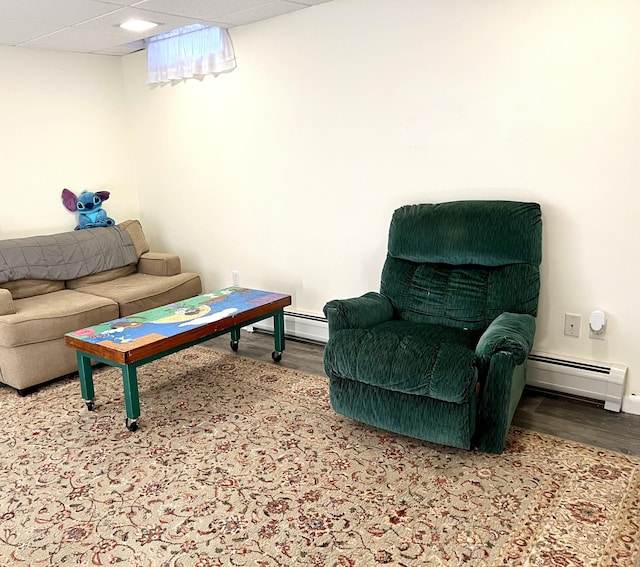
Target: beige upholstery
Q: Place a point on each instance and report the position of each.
(139, 292)
(49, 316)
(134, 228)
(32, 348)
(158, 264)
(106, 276)
(28, 288)
(6, 302)
(30, 365)
(36, 314)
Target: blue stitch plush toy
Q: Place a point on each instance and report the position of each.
(89, 205)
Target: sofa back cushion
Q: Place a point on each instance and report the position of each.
(100, 277)
(463, 263)
(28, 288)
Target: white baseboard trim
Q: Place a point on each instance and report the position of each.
(631, 404)
(578, 377)
(299, 326)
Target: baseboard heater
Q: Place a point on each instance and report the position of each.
(583, 378)
(299, 326)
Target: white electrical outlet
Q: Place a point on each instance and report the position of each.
(235, 278)
(572, 323)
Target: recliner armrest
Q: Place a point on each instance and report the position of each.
(6, 302)
(501, 353)
(358, 312)
(159, 264)
(509, 332)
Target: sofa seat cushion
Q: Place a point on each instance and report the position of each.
(412, 358)
(139, 292)
(50, 316)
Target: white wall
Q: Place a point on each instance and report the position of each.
(288, 169)
(62, 124)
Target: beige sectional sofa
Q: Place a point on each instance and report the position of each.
(51, 285)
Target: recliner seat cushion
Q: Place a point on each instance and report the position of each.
(412, 358)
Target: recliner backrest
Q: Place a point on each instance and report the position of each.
(462, 263)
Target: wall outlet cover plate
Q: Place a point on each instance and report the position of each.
(572, 323)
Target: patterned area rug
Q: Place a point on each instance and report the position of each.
(238, 462)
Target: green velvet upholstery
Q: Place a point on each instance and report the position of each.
(484, 233)
(360, 312)
(429, 360)
(440, 352)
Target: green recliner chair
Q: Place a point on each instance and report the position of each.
(440, 353)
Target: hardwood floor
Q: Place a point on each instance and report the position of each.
(579, 420)
(574, 419)
(298, 355)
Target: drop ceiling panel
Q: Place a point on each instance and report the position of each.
(13, 32)
(110, 23)
(123, 49)
(123, 2)
(260, 13)
(76, 39)
(58, 12)
(91, 26)
(202, 9)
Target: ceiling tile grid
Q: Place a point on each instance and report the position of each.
(92, 26)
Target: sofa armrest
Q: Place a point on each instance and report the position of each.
(134, 228)
(510, 333)
(358, 312)
(6, 302)
(159, 264)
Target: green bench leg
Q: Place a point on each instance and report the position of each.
(235, 338)
(278, 334)
(86, 379)
(131, 399)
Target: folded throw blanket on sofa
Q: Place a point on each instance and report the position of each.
(67, 255)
